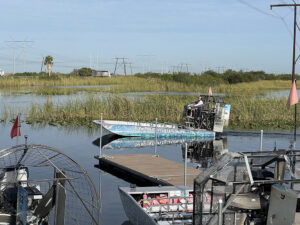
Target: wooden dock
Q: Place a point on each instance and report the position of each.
(147, 170)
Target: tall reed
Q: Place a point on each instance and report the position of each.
(246, 112)
(137, 84)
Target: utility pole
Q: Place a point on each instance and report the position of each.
(91, 61)
(130, 64)
(42, 64)
(294, 60)
(116, 65)
(124, 66)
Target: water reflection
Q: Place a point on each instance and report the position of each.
(117, 142)
(204, 153)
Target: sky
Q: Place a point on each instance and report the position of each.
(152, 35)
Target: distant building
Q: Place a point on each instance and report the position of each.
(101, 73)
(1, 73)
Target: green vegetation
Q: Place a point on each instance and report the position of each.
(246, 113)
(48, 62)
(260, 113)
(212, 78)
(85, 72)
(244, 90)
(230, 82)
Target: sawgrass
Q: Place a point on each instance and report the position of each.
(123, 84)
(260, 113)
(246, 113)
(63, 80)
(82, 112)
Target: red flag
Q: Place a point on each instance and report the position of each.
(293, 97)
(14, 129)
(209, 91)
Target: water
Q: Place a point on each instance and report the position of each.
(78, 145)
(280, 94)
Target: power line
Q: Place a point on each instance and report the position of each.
(14, 57)
(277, 16)
(257, 9)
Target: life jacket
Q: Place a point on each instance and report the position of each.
(145, 203)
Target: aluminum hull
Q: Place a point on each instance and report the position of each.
(136, 129)
(139, 216)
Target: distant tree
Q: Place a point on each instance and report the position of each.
(49, 63)
(85, 71)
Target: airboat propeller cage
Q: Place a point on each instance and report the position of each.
(39, 184)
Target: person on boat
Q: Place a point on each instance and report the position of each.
(197, 103)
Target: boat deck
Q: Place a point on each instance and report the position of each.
(147, 170)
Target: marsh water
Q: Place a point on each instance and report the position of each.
(78, 144)
(21, 99)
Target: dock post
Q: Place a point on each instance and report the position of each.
(220, 214)
(155, 145)
(185, 163)
(100, 141)
(261, 139)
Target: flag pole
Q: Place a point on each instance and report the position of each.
(18, 127)
(293, 73)
(295, 124)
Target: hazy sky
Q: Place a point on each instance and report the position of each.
(213, 34)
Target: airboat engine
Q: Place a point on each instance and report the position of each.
(9, 176)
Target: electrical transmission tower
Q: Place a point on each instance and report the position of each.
(184, 68)
(120, 63)
(14, 53)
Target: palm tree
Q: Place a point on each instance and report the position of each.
(49, 63)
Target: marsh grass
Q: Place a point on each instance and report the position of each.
(259, 113)
(82, 112)
(123, 84)
(249, 110)
(21, 82)
(66, 91)
(246, 113)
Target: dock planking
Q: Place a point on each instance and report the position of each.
(147, 169)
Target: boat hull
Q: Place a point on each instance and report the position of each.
(133, 211)
(135, 129)
(151, 216)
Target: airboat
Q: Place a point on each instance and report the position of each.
(238, 188)
(41, 185)
(201, 121)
